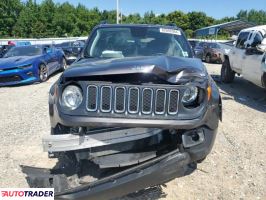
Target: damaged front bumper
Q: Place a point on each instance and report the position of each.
(70, 142)
(131, 178)
(154, 172)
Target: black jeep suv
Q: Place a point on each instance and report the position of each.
(135, 110)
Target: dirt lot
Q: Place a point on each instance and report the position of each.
(236, 168)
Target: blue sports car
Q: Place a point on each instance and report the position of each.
(28, 64)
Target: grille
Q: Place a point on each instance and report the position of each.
(173, 102)
(9, 79)
(120, 99)
(106, 98)
(92, 98)
(147, 97)
(160, 101)
(131, 100)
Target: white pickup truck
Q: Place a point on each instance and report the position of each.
(247, 57)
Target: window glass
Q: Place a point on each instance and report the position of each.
(64, 44)
(200, 44)
(214, 46)
(119, 42)
(257, 40)
(24, 51)
(242, 38)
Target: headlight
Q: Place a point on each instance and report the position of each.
(190, 95)
(72, 97)
(25, 67)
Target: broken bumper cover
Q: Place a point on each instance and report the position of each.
(154, 172)
(70, 142)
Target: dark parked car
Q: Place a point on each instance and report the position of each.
(209, 52)
(193, 43)
(135, 110)
(72, 49)
(28, 64)
(4, 49)
(199, 49)
(213, 53)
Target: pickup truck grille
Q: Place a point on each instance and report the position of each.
(137, 100)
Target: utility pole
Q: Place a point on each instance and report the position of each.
(117, 11)
(121, 16)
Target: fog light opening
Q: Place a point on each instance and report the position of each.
(193, 138)
(30, 74)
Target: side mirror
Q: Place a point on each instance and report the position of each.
(48, 50)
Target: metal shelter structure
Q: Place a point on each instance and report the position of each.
(232, 27)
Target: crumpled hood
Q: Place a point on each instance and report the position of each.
(163, 66)
(15, 61)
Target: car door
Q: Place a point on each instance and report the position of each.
(239, 52)
(56, 58)
(51, 59)
(47, 58)
(252, 61)
(199, 50)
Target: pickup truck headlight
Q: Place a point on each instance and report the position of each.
(72, 97)
(190, 95)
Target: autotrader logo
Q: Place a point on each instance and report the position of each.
(27, 193)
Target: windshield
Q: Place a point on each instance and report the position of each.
(120, 42)
(24, 51)
(201, 45)
(214, 46)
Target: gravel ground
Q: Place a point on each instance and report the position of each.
(235, 169)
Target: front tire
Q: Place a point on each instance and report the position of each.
(63, 64)
(227, 74)
(43, 73)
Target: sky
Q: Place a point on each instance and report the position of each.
(214, 8)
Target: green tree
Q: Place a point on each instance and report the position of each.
(9, 12)
(47, 10)
(26, 18)
(149, 18)
(27, 22)
(133, 19)
(109, 16)
(64, 20)
(256, 16)
(199, 20)
(179, 18)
